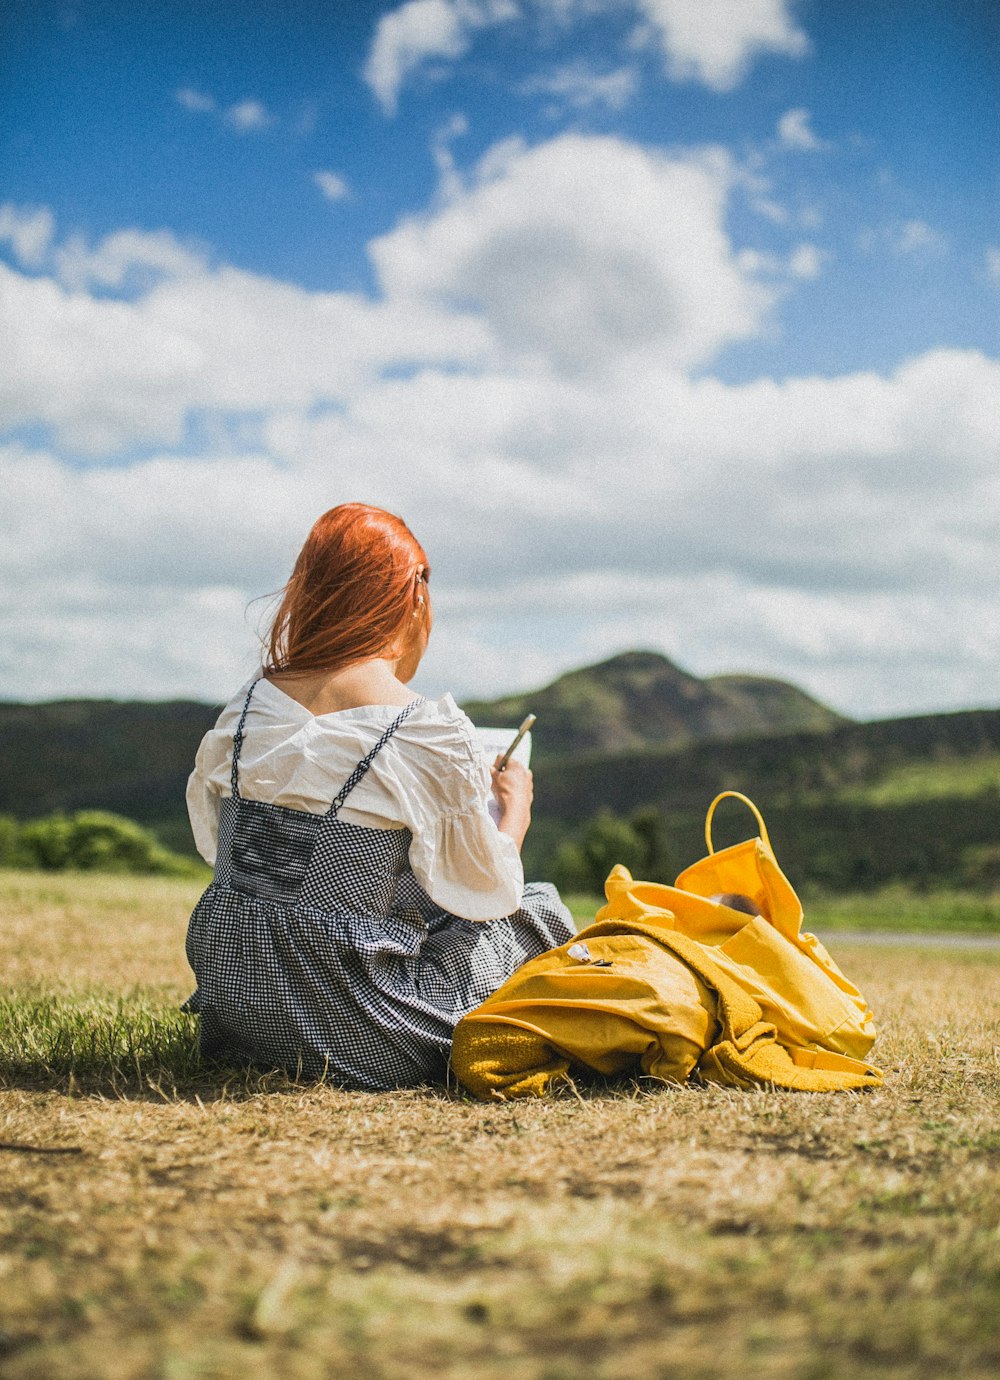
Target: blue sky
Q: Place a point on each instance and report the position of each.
(665, 323)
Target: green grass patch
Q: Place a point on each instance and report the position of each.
(891, 910)
(917, 781)
(896, 909)
(120, 1043)
(583, 907)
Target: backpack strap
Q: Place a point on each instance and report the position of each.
(238, 740)
(736, 795)
(366, 762)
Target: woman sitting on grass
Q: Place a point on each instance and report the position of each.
(364, 899)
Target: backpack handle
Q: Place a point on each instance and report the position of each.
(746, 801)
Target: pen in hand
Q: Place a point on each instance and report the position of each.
(525, 728)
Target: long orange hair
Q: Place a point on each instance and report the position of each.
(357, 589)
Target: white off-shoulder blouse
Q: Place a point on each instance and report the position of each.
(431, 778)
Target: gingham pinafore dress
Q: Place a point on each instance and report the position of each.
(316, 950)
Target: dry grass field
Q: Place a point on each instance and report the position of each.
(158, 1219)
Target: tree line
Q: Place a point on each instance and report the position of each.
(830, 846)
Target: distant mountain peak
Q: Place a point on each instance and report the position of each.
(639, 660)
(641, 698)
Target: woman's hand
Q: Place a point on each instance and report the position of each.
(514, 788)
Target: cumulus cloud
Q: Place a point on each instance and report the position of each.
(579, 86)
(28, 230)
(125, 259)
(582, 253)
(770, 526)
(715, 41)
(806, 261)
(709, 41)
(332, 185)
(580, 489)
(917, 237)
(575, 257)
(795, 132)
(248, 115)
(423, 30)
(913, 239)
(244, 116)
(834, 530)
(196, 101)
(105, 373)
(449, 178)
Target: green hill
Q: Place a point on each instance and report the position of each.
(913, 801)
(641, 699)
(849, 804)
(132, 758)
(953, 755)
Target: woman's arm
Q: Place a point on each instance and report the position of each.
(514, 788)
(203, 804)
(441, 783)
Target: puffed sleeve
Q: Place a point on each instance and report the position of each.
(209, 781)
(203, 798)
(458, 855)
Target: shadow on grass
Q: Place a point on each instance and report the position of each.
(139, 1047)
(128, 1047)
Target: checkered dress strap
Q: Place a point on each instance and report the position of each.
(366, 762)
(238, 741)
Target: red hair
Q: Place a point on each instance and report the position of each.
(356, 586)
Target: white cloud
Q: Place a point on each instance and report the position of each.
(715, 41)
(710, 41)
(28, 230)
(917, 237)
(244, 116)
(770, 209)
(806, 261)
(578, 86)
(575, 257)
(911, 239)
(107, 374)
(755, 261)
(580, 254)
(766, 527)
(875, 654)
(127, 258)
(196, 101)
(332, 185)
(521, 393)
(422, 30)
(832, 530)
(758, 189)
(449, 178)
(248, 115)
(794, 131)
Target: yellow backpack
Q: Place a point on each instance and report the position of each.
(670, 982)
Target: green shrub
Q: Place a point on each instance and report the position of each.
(981, 866)
(11, 851)
(88, 841)
(606, 840)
